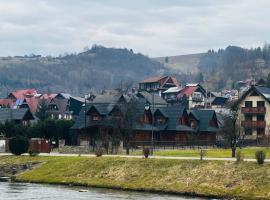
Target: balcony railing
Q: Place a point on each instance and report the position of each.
(254, 124)
(198, 99)
(255, 110)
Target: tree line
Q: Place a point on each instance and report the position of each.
(51, 129)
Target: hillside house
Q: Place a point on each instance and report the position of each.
(171, 94)
(158, 85)
(59, 107)
(193, 96)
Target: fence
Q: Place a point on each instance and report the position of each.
(173, 144)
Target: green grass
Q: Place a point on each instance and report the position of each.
(211, 153)
(246, 180)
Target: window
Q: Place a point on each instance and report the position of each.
(260, 103)
(248, 131)
(193, 124)
(160, 120)
(147, 118)
(260, 131)
(183, 120)
(248, 117)
(260, 117)
(95, 117)
(248, 103)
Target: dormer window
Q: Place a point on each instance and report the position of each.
(183, 120)
(160, 120)
(95, 117)
(193, 124)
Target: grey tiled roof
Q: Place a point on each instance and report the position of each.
(171, 113)
(221, 101)
(8, 114)
(107, 98)
(149, 98)
(265, 91)
(204, 117)
(103, 109)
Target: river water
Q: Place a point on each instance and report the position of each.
(27, 191)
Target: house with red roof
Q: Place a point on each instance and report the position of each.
(25, 98)
(6, 103)
(192, 96)
(22, 94)
(158, 84)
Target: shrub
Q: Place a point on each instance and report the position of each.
(202, 154)
(99, 151)
(33, 152)
(260, 156)
(18, 145)
(239, 156)
(146, 152)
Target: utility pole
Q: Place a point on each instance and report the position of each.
(85, 112)
(153, 123)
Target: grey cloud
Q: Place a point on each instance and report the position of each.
(153, 27)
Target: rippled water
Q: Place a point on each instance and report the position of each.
(26, 191)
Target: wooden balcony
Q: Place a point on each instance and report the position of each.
(253, 124)
(197, 99)
(254, 110)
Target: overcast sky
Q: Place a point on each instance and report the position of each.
(152, 27)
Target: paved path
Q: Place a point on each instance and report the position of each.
(151, 157)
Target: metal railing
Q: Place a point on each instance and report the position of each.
(173, 144)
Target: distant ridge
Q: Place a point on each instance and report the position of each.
(182, 63)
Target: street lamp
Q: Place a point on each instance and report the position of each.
(148, 107)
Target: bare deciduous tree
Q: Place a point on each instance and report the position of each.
(231, 128)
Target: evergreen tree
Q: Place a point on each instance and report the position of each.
(42, 111)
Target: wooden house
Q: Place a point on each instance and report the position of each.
(158, 84)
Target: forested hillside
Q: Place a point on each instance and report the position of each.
(222, 68)
(106, 68)
(95, 69)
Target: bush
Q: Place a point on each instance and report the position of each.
(239, 157)
(18, 145)
(146, 152)
(33, 152)
(260, 156)
(99, 151)
(202, 154)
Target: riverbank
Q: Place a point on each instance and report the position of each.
(245, 180)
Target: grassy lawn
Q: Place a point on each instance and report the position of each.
(245, 180)
(211, 153)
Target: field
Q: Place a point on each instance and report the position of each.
(211, 153)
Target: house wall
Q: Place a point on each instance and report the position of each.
(180, 137)
(193, 103)
(241, 115)
(141, 136)
(207, 138)
(168, 136)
